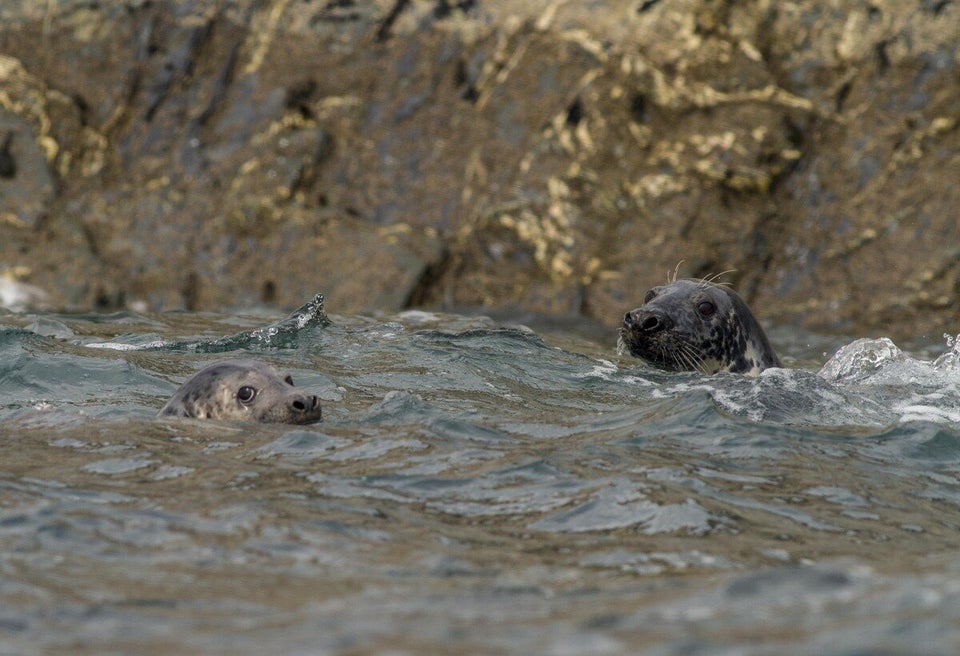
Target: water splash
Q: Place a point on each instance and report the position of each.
(951, 359)
(861, 360)
(283, 334)
(280, 335)
(913, 390)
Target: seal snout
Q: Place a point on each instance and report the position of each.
(647, 321)
(304, 403)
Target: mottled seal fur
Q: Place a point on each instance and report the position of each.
(243, 389)
(695, 325)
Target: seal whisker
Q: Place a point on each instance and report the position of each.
(676, 273)
(677, 352)
(683, 361)
(690, 356)
(712, 279)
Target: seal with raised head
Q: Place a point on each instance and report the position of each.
(243, 389)
(695, 325)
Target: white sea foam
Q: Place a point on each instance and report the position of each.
(120, 346)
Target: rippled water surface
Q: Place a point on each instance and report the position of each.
(475, 487)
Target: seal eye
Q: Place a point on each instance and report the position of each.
(246, 394)
(649, 296)
(706, 308)
(288, 380)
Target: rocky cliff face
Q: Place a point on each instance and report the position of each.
(556, 156)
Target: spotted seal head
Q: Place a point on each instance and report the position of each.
(243, 389)
(695, 325)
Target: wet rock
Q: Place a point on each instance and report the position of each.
(8, 163)
(536, 154)
(26, 184)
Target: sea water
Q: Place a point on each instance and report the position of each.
(476, 486)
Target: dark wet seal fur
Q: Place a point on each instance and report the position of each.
(695, 325)
(243, 389)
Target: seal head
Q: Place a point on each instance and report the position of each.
(695, 325)
(243, 389)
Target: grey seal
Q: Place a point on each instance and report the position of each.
(696, 325)
(243, 389)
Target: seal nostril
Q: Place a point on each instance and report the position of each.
(650, 325)
(306, 403)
